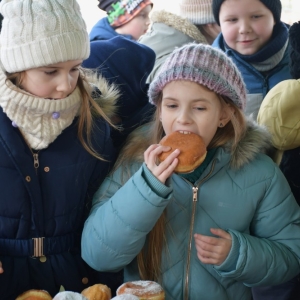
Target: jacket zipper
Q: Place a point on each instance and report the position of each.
(195, 196)
(35, 155)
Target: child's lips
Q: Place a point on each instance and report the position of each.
(246, 42)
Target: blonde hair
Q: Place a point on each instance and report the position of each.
(88, 110)
(149, 259)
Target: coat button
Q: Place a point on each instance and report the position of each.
(85, 280)
(28, 179)
(46, 169)
(43, 259)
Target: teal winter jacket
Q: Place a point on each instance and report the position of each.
(245, 194)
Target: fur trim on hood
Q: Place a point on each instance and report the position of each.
(105, 94)
(256, 140)
(179, 23)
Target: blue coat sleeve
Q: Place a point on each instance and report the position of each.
(121, 217)
(270, 254)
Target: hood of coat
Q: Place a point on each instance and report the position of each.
(104, 93)
(256, 140)
(181, 24)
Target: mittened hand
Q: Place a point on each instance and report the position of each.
(213, 250)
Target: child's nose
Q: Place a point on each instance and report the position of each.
(65, 84)
(244, 27)
(184, 118)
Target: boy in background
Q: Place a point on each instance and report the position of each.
(129, 18)
(257, 41)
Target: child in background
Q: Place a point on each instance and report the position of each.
(280, 113)
(257, 41)
(126, 64)
(209, 234)
(55, 146)
(194, 23)
(129, 18)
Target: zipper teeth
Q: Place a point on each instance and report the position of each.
(195, 194)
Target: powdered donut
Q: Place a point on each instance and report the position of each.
(67, 295)
(34, 295)
(192, 150)
(143, 289)
(97, 292)
(125, 297)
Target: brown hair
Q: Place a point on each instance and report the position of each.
(88, 110)
(149, 259)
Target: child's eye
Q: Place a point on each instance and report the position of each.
(256, 16)
(200, 108)
(171, 106)
(50, 72)
(232, 20)
(75, 69)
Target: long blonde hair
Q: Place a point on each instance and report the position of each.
(89, 108)
(149, 259)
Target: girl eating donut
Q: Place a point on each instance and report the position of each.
(229, 225)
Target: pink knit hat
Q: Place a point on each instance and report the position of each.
(204, 65)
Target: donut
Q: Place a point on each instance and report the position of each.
(125, 297)
(67, 295)
(192, 150)
(34, 295)
(97, 292)
(143, 289)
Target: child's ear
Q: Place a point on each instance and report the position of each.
(226, 114)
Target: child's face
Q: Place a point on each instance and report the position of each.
(188, 106)
(138, 25)
(55, 81)
(247, 25)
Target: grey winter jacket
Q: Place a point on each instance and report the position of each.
(245, 194)
(168, 32)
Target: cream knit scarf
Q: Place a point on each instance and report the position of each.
(40, 120)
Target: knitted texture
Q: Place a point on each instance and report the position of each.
(273, 5)
(294, 34)
(204, 65)
(34, 116)
(39, 33)
(198, 12)
(122, 11)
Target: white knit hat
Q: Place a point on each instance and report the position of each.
(199, 12)
(38, 33)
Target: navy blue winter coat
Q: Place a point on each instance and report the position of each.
(126, 64)
(102, 30)
(50, 202)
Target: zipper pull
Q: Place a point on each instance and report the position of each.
(195, 191)
(36, 163)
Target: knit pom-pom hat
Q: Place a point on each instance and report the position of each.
(204, 65)
(273, 5)
(122, 11)
(198, 12)
(294, 36)
(40, 33)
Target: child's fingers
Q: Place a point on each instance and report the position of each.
(163, 170)
(1, 269)
(211, 249)
(220, 233)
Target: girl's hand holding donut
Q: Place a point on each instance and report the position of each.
(163, 170)
(213, 250)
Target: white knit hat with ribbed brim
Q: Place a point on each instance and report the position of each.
(38, 33)
(198, 12)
